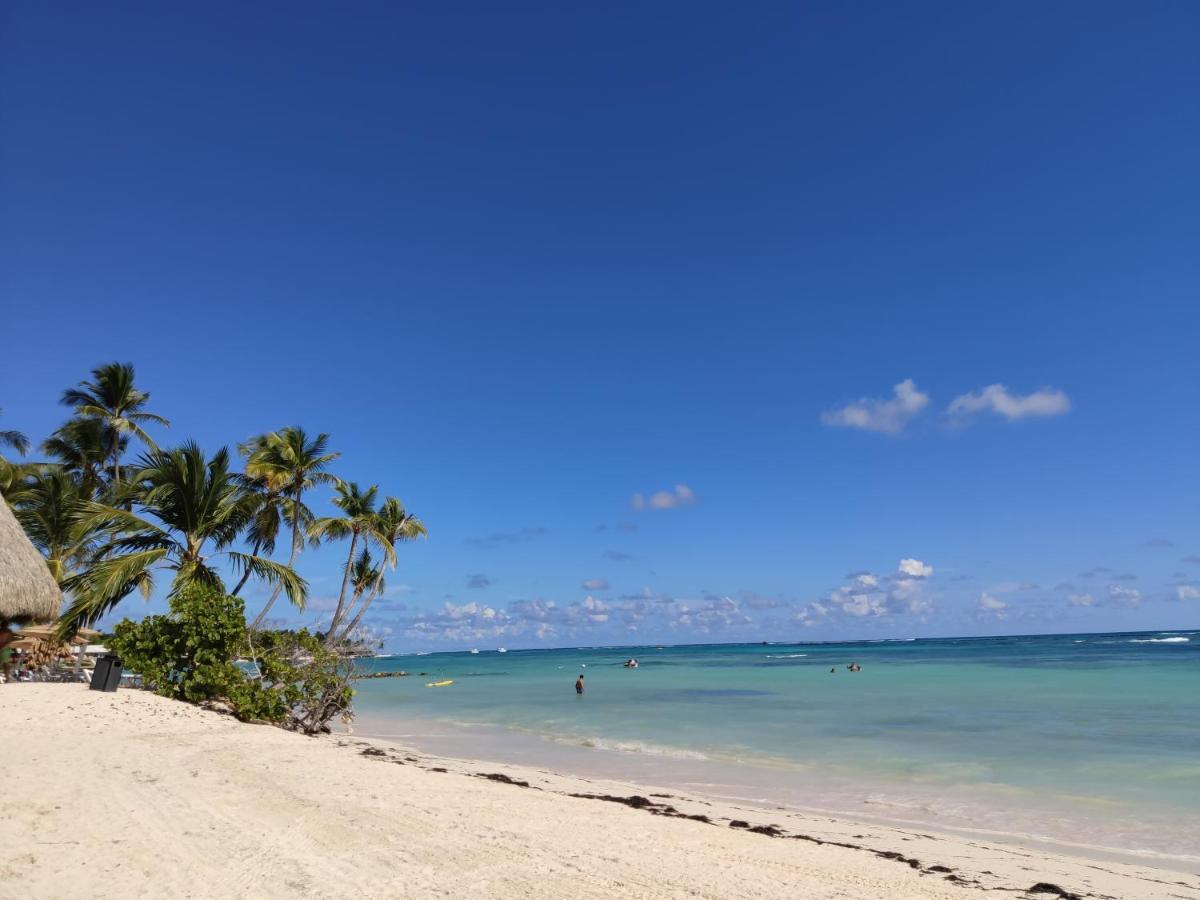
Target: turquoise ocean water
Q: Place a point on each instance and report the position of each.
(1087, 739)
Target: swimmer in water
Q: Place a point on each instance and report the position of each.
(579, 684)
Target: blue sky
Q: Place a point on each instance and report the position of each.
(525, 263)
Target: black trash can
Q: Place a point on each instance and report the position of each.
(107, 674)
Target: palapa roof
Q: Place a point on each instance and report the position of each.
(28, 592)
(49, 634)
(41, 632)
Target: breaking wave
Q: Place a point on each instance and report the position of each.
(597, 743)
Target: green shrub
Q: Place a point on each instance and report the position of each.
(292, 679)
(312, 679)
(187, 654)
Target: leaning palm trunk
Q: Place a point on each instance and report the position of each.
(334, 639)
(257, 623)
(349, 629)
(340, 611)
(255, 549)
(242, 581)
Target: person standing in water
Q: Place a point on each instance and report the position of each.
(579, 684)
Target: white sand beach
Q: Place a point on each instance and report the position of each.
(133, 795)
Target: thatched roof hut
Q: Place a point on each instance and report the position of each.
(28, 592)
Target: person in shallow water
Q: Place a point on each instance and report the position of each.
(854, 667)
(579, 684)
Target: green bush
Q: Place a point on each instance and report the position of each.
(187, 654)
(312, 680)
(292, 679)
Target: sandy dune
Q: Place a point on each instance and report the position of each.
(131, 795)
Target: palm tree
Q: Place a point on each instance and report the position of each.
(179, 510)
(112, 398)
(265, 520)
(285, 464)
(48, 504)
(397, 525)
(358, 520)
(14, 439)
(364, 575)
(20, 443)
(80, 449)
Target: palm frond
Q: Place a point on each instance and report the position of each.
(196, 572)
(105, 584)
(92, 411)
(149, 417)
(383, 542)
(129, 425)
(77, 398)
(137, 542)
(264, 526)
(273, 573)
(329, 528)
(102, 517)
(16, 440)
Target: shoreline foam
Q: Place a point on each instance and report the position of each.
(727, 780)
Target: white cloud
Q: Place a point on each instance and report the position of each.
(712, 614)
(1187, 592)
(865, 594)
(543, 611)
(914, 568)
(595, 584)
(905, 596)
(1127, 596)
(863, 605)
(682, 495)
(990, 605)
(459, 622)
(811, 614)
(872, 414)
(466, 611)
(1081, 600)
(997, 399)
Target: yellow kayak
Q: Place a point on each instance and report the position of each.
(438, 683)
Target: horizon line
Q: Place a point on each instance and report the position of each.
(657, 645)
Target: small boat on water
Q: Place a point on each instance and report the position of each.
(439, 683)
(475, 652)
(501, 650)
